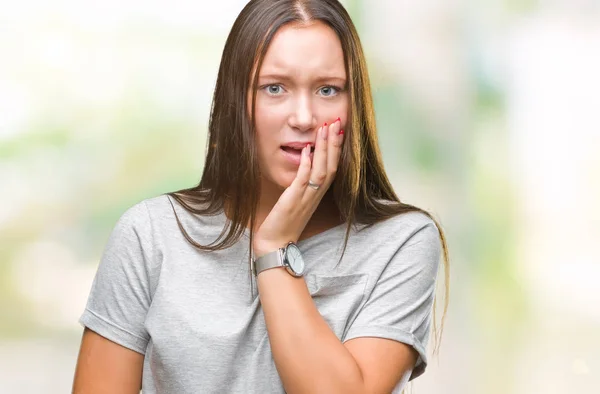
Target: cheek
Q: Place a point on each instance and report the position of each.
(269, 122)
(270, 114)
(345, 110)
(341, 108)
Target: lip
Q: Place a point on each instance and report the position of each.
(294, 158)
(299, 144)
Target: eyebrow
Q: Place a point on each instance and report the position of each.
(286, 78)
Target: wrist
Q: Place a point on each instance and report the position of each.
(261, 249)
(268, 255)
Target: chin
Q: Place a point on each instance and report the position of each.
(283, 180)
(285, 183)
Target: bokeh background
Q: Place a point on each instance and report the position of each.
(488, 114)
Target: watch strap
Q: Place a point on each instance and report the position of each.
(270, 260)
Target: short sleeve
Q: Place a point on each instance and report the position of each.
(120, 295)
(401, 303)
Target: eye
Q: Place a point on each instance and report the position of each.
(273, 90)
(329, 91)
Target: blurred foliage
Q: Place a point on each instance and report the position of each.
(79, 160)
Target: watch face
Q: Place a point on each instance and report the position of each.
(294, 259)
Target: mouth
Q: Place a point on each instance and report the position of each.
(294, 153)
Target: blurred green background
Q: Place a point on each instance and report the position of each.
(488, 116)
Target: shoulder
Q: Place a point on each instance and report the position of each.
(139, 220)
(411, 241)
(147, 210)
(134, 245)
(132, 232)
(134, 217)
(154, 212)
(158, 205)
(170, 221)
(415, 227)
(404, 229)
(165, 206)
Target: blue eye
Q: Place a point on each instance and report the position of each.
(329, 91)
(274, 90)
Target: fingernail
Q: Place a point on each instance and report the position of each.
(341, 132)
(324, 133)
(325, 124)
(338, 120)
(307, 150)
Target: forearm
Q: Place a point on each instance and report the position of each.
(308, 355)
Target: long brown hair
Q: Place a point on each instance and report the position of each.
(361, 190)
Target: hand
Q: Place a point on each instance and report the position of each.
(291, 213)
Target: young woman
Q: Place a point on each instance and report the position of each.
(292, 266)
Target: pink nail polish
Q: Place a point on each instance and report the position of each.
(338, 120)
(341, 132)
(325, 124)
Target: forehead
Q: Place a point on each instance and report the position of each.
(305, 50)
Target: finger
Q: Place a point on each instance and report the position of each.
(318, 172)
(303, 175)
(335, 147)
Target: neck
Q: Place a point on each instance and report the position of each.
(269, 196)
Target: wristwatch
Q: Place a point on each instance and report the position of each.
(289, 257)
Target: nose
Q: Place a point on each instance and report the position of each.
(302, 117)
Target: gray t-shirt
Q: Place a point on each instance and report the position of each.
(199, 322)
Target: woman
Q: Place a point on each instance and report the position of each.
(293, 168)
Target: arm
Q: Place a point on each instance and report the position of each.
(106, 367)
(115, 339)
(309, 356)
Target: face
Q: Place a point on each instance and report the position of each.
(301, 86)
